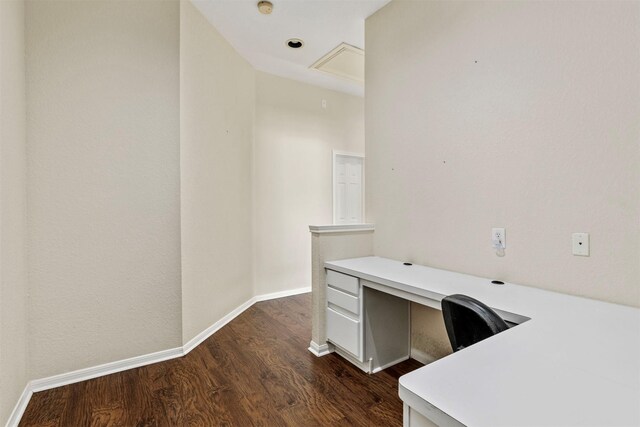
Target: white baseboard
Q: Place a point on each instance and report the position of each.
(320, 350)
(138, 361)
(422, 357)
(18, 410)
(282, 294)
(198, 339)
(104, 369)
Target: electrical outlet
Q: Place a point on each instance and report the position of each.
(580, 244)
(498, 238)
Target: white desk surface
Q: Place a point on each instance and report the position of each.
(575, 363)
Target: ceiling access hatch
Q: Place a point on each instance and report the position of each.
(344, 61)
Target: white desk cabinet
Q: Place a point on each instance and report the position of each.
(367, 327)
(571, 361)
(344, 323)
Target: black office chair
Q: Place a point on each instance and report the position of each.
(469, 321)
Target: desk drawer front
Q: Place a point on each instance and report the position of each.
(343, 331)
(343, 300)
(342, 281)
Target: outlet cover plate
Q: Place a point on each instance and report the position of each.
(580, 244)
(498, 234)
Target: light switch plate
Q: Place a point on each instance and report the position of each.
(580, 244)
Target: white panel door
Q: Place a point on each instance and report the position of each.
(348, 189)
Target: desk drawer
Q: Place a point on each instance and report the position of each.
(343, 300)
(343, 331)
(343, 282)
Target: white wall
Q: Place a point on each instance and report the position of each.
(217, 106)
(103, 181)
(13, 280)
(294, 139)
(521, 115)
(145, 181)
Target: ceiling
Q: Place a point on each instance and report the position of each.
(321, 24)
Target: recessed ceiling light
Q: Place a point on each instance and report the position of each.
(295, 43)
(265, 7)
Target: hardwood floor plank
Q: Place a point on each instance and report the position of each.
(287, 387)
(255, 371)
(47, 409)
(364, 394)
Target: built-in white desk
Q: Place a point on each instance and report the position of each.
(570, 362)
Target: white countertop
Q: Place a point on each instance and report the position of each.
(576, 362)
(341, 228)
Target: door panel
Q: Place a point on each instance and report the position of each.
(348, 190)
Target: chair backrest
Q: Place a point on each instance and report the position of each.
(469, 321)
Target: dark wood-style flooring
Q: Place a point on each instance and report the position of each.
(256, 371)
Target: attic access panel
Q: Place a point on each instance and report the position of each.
(344, 61)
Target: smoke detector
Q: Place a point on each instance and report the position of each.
(265, 7)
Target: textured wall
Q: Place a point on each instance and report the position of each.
(429, 339)
(294, 139)
(103, 181)
(217, 106)
(13, 276)
(521, 115)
